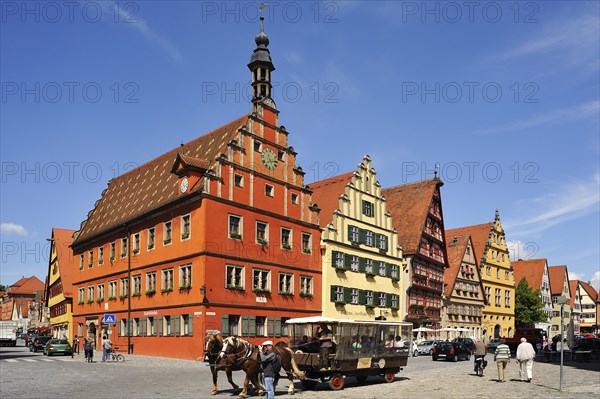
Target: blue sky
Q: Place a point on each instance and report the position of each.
(503, 96)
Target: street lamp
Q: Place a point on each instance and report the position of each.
(562, 301)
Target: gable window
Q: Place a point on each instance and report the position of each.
(261, 280)
(306, 243)
(80, 295)
(257, 146)
(394, 272)
(234, 276)
(167, 233)
(235, 227)
(150, 283)
(294, 198)
(90, 259)
(185, 277)
(354, 263)
(137, 285)
(100, 292)
(488, 294)
(286, 238)
(136, 243)
(506, 275)
(100, 256)
(369, 238)
(186, 229)
(262, 234)
(124, 287)
(167, 280)
(497, 297)
(280, 155)
(111, 251)
(353, 236)
(507, 299)
(269, 190)
(81, 260)
(382, 242)
(286, 283)
(354, 296)
(123, 247)
(238, 180)
(488, 270)
(150, 238)
(368, 208)
(306, 285)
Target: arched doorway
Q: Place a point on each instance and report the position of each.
(497, 331)
(484, 335)
(92, 333)
(510, 332)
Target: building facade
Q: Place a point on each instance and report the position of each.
(463, 302)
(489, 243)
(535, 271)
(59, 284)
(218, 234)
(363, 266)
(417, 216)
(589, 301)
(559, 284)
(575, 306)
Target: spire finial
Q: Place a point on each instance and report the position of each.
(262, 7)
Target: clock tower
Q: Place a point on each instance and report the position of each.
(261, 66)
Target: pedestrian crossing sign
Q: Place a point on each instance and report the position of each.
(109, 318)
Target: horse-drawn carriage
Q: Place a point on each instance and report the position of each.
(361, 349)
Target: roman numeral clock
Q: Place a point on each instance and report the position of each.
(269, 158)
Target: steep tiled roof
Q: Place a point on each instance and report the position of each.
(573, 286)
(62, 240)
(456, 252)
(27, 286)
(557, 278)
(532, 270)
(480, 233)
(589, 290)
(152, 184)
(326, 194)
(409, 204)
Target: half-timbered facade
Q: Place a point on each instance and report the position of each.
(589, 303)
(575, 306)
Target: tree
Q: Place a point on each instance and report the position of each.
(529, 308)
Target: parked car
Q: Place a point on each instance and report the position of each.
(467, 342)
(55, 346)
(454, 351)
(38, 344)
(426, 347)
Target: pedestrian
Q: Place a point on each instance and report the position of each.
(479, 353)
(76, 345)
(106, 348)
(88, 350)
(267, 358)
(502, 358)
(326, 340)
(525, 355)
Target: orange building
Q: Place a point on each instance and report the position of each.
(218, 234)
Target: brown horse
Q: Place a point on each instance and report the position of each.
(241, 350)
(238, 354)
(213, 344)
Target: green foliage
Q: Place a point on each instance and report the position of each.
(529, 308)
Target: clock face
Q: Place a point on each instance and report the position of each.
(269, 158)
(183, 186)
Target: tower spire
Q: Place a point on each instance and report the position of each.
(261, 64)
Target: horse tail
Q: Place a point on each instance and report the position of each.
(299, 373)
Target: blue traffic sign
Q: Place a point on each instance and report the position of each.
(109, 318)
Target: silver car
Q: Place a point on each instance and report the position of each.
(426, 347)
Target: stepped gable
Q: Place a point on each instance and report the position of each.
(326, 194)
(479, 233)
(409, 204)
(455, 251)
(152, 184)
(531, 269)
(62, 241)
(556, 274)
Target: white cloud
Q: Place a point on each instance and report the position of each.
(595, 281)
(13, 228)
(576, 276)
(519, 250)
(569, 202)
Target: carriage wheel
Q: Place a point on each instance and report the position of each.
(361, 378)
(337, 382)
(389, 376)
(309, 384)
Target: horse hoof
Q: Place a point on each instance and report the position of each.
(213, 392)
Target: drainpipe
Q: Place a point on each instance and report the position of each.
(128, 322)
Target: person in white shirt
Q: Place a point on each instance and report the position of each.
(525, 355)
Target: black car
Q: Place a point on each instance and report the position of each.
(467, 342)
(38, 344)
(454, 351)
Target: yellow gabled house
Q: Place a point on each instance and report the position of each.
(59, 285)
(363, 267)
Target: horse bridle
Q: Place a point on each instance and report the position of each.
(209, 353)
(239, 356)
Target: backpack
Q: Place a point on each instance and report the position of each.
(276, 363)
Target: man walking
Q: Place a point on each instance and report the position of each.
(502, 358)
(525, 355)
(106, 348)
(267, 357)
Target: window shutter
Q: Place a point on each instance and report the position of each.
(362, 236)
(178, 325)
(128, 328)
(252, 326)
(224, 325)
(191, 325)
(347, 261)
(350, 233)
(347, 295)
(362, 297)
(278, 327)
(172, 322)
(388, 300)
(244, 326)
(160, 326)
(271, 324)
(385, 242)
(388, 270)
(377, 240)
(333, 257)
(332, 292)
(361, 265)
